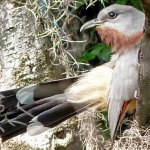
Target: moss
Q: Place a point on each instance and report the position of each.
(10, 145)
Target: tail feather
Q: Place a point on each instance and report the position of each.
(47, 115)
(9, 99)
(52, 117)
(10, 92)
(13, 134)
(34, 100)
(15, 112)
(20, 122)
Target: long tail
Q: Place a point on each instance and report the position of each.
(19, 106)
(27, 95)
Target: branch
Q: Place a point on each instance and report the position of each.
(143, 107)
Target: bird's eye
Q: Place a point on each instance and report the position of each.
(112, 15)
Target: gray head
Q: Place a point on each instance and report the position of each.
(122, 18)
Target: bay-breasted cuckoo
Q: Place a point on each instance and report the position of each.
(38, 107)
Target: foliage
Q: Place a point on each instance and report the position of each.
(99, 50)
(135, 3)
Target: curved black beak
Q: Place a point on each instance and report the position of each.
(90, 24)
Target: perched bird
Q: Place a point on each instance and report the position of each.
(121, 27)
(38, 107)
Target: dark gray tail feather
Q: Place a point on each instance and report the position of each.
(29, 94)
(47, 113)
(34, 100)
(15, 121)
(56, 115)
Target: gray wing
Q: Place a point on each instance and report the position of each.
(123, 86)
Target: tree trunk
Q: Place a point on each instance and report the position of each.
(143, 107)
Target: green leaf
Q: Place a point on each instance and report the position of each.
(96, 46)
(96, 49)
(105, 54)
(100, 50)
(137, 4)
(92, 52)
(121, 1)
(87, 57)
(79, 3)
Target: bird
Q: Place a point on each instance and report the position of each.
(38, 107)
(121, 27)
